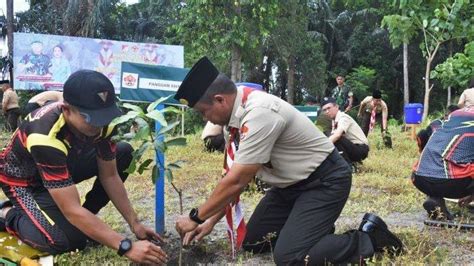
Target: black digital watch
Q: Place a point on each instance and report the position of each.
(193, 215)
(124, 247)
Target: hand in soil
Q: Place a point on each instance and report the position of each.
(197, 234)
(144, 251)
(184, 225)
(144, 232)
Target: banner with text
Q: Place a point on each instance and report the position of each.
(44, 62)
(148, 83)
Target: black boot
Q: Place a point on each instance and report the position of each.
(4, 204)
(436, 208)
(381, 237)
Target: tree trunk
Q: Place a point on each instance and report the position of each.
(429, 60)
(406, 90)
(426, 101)
(291, 80)
(448, 100)
(236, 64)
(10, 34)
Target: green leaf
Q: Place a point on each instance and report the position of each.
(133, 107)
(169, 175)
(159, 146)
(152, 106)
(144, 165)
(179, 141)
(169, 127)
(143, 133)
(171, 109)
(131, 168)
(123, 118)
(154, 174)
(425, 23)
(157, 116)
(139, 153)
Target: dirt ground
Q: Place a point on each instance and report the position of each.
(214, 248)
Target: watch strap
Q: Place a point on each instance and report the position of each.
(193, 215)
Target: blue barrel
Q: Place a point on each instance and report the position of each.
(250, 84)
(413, 113)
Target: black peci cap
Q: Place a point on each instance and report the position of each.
(376, 94)
(327, 100)
(94, 95)
(4, 81)
(196, 82)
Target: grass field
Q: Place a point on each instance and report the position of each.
(382, 186)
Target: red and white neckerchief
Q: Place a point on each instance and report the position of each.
(236, 238)
(334, 125)
(372, 116)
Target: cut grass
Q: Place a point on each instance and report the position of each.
(382, 186)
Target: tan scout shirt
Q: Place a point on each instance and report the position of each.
(10, 100)
(275, 134)
(366, 105)
(467, 98)
(351, 129)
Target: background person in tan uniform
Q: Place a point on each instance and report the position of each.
(381, 112)
(467, 96)
(10, 106)
(311, 181)
(40, 99)
(213, 137)
(346, 134)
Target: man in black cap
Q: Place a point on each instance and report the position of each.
(57, 146)
(311, 181)
(346, 134)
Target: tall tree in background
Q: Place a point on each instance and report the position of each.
(457, 70)
(289, 37)
(84, 18)
(10, 33)
(224, 30)
(438, 22)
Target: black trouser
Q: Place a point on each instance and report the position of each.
(352, 152)
(302, 217)
(12, 118)
(37, 220)
(215, 143)
(449, 188)
(365, 123)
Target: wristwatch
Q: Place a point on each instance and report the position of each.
(125, 245)
(193, 215)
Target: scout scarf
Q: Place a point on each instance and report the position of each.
(372, 116)
(236, 239)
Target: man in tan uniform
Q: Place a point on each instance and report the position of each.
(467, 96)
(346, 134)
(10, 106)
(373, 109)
(213, 137)
(41, 99)
(311, 181)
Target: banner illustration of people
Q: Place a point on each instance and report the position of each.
(44, 62)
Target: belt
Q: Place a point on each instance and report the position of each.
(329, 166)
